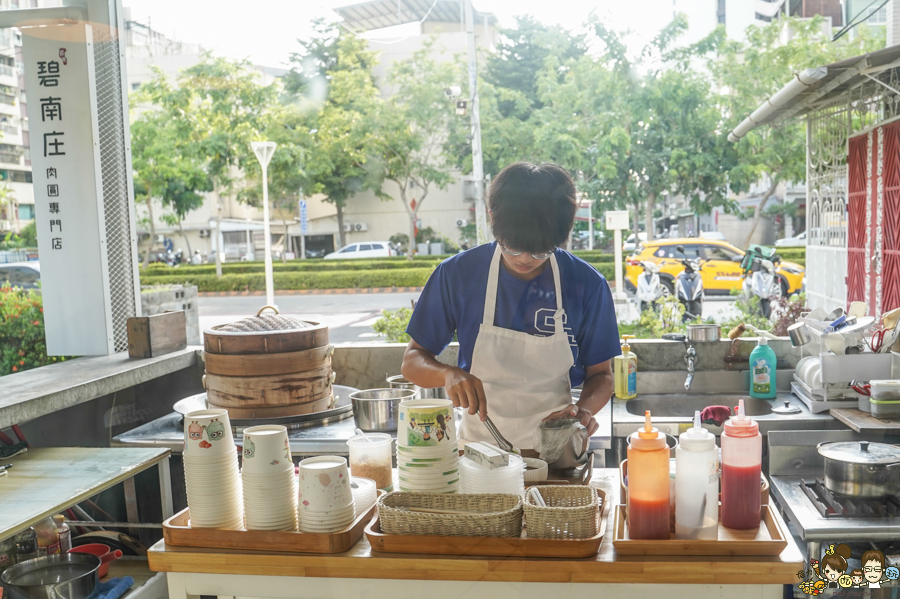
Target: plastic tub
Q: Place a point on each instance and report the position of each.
(885, 390)
(370, 457)
(885, 409)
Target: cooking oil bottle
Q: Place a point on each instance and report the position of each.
(625, 370)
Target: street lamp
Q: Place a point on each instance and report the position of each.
(264, 151)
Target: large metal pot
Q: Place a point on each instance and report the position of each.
(861, 469)
(377, 409)
(61, 576)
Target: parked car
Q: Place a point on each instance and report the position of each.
(717, 235)
(720, 272)
(630, 245)
(26, 275)
(792, 242)
(364, 249)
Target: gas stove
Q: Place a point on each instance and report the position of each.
(835, 506)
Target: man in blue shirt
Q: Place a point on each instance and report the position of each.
(532, 320)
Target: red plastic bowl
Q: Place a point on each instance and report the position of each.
(102, 551)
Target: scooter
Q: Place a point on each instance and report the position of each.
(649, 288)
(760, 280)
(689, 287)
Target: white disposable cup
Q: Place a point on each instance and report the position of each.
(207, 432)
(324, 484)
(266, 449)
(426, 423)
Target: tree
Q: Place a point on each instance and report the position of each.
(753, 70)
(415, 126)
(332, 74)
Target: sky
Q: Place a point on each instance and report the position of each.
(265, 31)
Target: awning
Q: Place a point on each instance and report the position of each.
(377, 14)
(815, 87)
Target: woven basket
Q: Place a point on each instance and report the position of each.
(571, 512)
(499, 515)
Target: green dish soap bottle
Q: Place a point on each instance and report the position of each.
(625, 371)
(762, 371)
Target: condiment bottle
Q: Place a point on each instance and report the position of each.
(47, 537)
(625, 370)
(26, 545)
(697, 484)
(65, 535)
(762, 371)
(7, 553)
(648, 483)
(741, 463)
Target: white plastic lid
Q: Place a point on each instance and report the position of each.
(697, 438)
(763, 341)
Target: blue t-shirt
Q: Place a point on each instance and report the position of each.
(453, 302)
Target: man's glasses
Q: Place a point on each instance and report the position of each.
(872, 569)
(512, 253)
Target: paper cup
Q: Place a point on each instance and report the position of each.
(207, 432)
(426, 423)
(266, 449)
(324, 484)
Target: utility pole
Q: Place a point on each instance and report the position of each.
(481, 227)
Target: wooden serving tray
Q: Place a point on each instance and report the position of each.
(178, 532)
(769, 539)
(521, 546)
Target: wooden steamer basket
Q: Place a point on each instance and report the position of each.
(268, 366)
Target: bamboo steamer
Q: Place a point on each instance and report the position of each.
(265, 334)
(277, 411)
(268, 364)
(269, 391)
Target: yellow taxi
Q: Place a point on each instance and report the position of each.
(720, 272)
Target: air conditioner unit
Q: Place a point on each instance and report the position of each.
(461, 222)
(204, 233)
(360, 227)
(348, 227)
(160, 239)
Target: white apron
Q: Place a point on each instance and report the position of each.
(525, 377)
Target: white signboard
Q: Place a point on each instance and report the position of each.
(65, 160)
(616, 219)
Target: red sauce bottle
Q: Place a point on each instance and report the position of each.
(741, 465)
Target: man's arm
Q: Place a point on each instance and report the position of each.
(421, 368)
(595, 393)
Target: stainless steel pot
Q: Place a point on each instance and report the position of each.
(398, 382)
(703, 332)
(861, 469)
(377, 409)
(61, 576)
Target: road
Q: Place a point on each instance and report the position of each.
(350, 317)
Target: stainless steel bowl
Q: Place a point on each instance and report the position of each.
(61, 576)
(799, 334)
(704, 332)
(377, 409)
(398, 382)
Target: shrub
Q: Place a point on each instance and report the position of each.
(392, 325)
(350, 279)
(22, 342)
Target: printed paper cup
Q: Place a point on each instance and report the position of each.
(324, 484)
(426, 423)
(266, 449)
(207, 432)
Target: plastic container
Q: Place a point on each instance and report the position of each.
(475, 478)
(26, 545)
(65, 535)
(370, 457)
(7, 553)
(47, 537)
(648, 484)
(884, 409)
(697, 484)
(888, 390)
(762, 371)
(741, 470)
(625, 370)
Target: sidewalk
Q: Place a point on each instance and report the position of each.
(313, 292)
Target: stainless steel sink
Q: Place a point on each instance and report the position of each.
(684, 405)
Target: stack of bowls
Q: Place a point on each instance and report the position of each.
(270, 486)
(211, 476)
(478, 479)
(427, 447)
(365, 493)
(325, 497)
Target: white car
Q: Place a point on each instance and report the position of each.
(26, 275)
(363, 249)
(790, 242)
(629, 245)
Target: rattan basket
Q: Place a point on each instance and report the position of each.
(493, 515)
(571, 512)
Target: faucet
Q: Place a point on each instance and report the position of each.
(690, 357)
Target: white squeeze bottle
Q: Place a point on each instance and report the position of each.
(696, 484)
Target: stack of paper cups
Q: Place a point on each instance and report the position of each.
(325, 497)
(211, 475)
(427, 447)
(270, 486)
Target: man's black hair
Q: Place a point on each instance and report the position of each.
(532, 206)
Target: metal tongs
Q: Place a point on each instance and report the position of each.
(502, 443)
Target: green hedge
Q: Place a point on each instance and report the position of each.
(350, 279)
(607, 269)
(292, 266)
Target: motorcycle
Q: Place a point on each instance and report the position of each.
(760, 281)
(689, 287)
(649, 288)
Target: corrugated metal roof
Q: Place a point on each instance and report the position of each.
(377, 14)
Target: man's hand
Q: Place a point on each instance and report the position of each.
(466, 391)
(575, 411)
